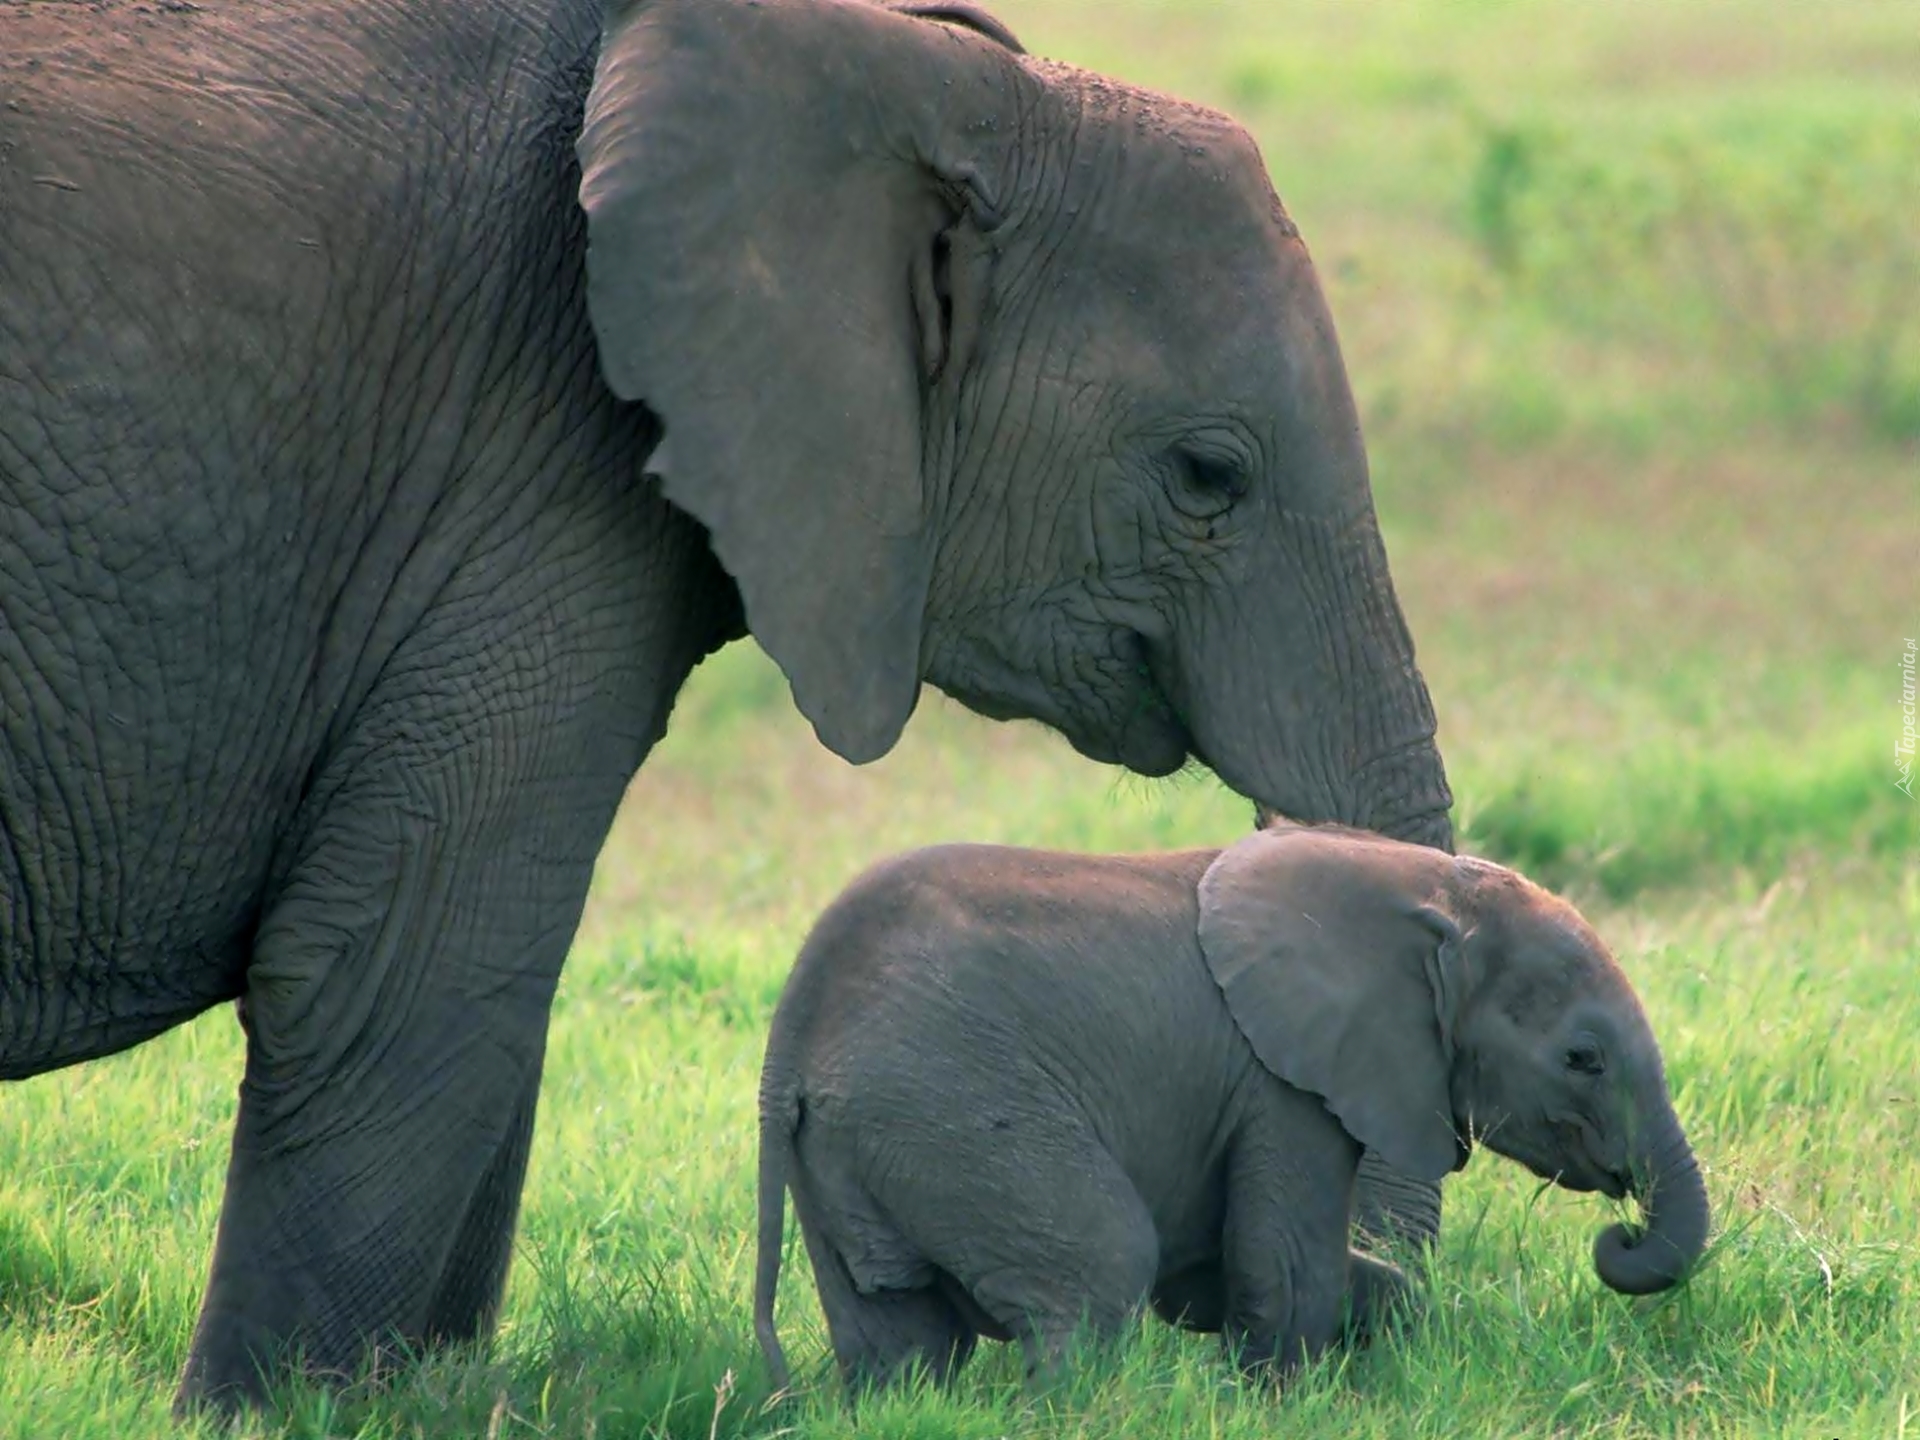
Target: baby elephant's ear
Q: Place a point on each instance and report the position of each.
(1339, 961)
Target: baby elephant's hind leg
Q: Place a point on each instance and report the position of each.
(879, 1336)
(1081, 1263)
(881, 1295)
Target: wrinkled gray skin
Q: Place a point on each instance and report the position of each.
(1011, 1089)
(344, 582)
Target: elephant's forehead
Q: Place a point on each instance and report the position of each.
(1205, 256)
(1205, 178)
(1173, 151)
(1231, 304)
(1558, 939)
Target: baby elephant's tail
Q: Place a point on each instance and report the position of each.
(779, 1116)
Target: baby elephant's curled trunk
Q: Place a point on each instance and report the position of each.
(1673, 1199)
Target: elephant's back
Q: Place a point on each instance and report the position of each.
(949, 964)
(953, 915)
(214, 184)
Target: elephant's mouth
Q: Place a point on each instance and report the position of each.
(1579, 1177)
(1118, 712)
(1147, 733)
(1154, 741)
(1578, 1163)
(1610, 1183)
(1611, 1180)
(1565, 1158)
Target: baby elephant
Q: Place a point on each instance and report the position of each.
(1016, 1092)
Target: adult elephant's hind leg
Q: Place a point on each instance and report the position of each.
(397, 1007)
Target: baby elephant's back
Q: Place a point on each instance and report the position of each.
(1016, 982)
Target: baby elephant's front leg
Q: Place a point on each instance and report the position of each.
(1284, 1256)
(1379, 1296)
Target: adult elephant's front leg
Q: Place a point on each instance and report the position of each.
(468, 1299)
(396, 1011)
(401, 978)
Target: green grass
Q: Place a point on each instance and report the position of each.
(1784, 1010)
(1659, 578)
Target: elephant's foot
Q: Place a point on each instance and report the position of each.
(230, 1368)
(1379, 1299)
(1392, 1210)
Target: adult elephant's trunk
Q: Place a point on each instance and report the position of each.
(1434, 828)
(1305, 697)
(1673, 1200)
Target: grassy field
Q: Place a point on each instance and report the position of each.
(1631, 296)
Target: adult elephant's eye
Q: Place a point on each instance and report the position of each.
(1206, 484)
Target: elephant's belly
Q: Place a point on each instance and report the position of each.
(45, 1027)
(70, 991)
(125, 909)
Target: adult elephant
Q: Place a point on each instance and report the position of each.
(374, 472)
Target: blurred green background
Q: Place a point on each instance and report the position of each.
(1630, 295)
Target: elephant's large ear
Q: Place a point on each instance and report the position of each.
(771, 189)
(1340, 961)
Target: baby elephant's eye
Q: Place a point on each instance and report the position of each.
(1584, 1058)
